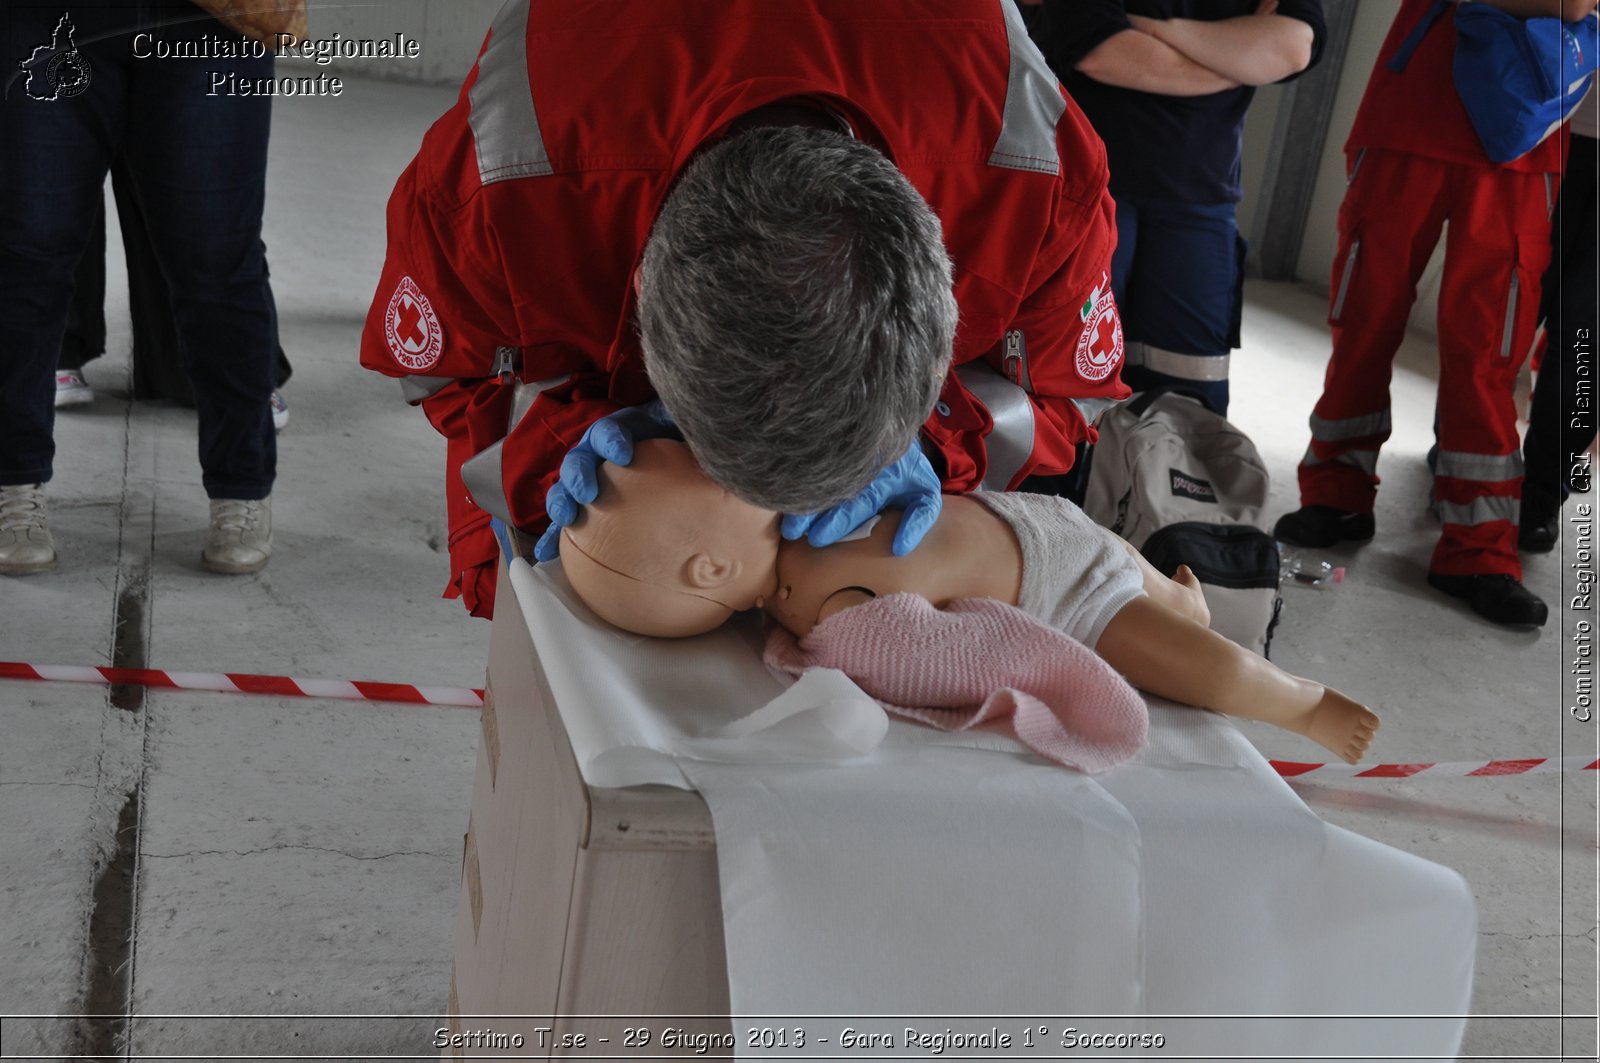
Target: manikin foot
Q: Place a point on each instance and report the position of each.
(1340, 725)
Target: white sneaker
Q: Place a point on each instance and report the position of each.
(280, 411)
(240, 537)
(72, 389)
(25, 543)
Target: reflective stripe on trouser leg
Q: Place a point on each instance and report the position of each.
(1483, 468)
(1203, 367)
(1009, 445)
(1496, 248)
(1477, 497)
(1340, 466)
(1480, 533)
(1389, 222)
(1362, 426)
(1365, 460)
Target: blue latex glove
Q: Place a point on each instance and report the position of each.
(611, 438)
(909, 484)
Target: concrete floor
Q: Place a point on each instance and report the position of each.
(194, 854)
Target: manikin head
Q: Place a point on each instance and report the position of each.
(664, 551)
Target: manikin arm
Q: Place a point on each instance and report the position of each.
(1168, 654)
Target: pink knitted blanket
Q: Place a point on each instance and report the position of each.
(978, 661)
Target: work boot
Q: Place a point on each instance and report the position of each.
(25, 542)
(1323, 526)
(1497, 597)
(1540, 524)
(240, 537)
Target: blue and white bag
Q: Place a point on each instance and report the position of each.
(1519, 79)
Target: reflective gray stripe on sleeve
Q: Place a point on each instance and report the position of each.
(1091, 409)
(1365, 460)
(483, 474)
(505, 127)
(1011, 442)
(1033, 104)
(1482, 468)
(416, 388)
(1182, 366)
(522, 399)
(1370, 424)
(1480, 511)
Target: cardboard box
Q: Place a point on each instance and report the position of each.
(577, 902)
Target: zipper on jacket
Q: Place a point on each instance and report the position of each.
(1549, 197)
(1511, 316)
(1015, 360)
(1344, 280)
(1355, 167)
(505, 364)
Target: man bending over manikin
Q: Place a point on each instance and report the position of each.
(664, 551)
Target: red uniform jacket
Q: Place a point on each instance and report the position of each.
(514, 233)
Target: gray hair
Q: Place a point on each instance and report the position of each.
(796, 314)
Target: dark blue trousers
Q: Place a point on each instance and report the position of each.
(1177, 273)
(198, 165)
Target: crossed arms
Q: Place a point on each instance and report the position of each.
(1190, 57)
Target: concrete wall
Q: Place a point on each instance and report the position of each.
(450, 33)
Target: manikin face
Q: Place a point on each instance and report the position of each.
(664, 551)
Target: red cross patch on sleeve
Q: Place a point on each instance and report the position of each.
(1100, 343)
(412, 328)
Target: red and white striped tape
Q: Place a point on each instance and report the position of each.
(241, 683)
(1290, 769)
(461, 697)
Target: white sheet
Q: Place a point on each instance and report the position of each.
(871, 867)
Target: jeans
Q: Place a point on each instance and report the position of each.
(198, 165)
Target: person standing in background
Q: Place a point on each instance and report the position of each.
(156, 356)
(79, 96)
(1166, 84)
(1414, 163)
(1560, 427)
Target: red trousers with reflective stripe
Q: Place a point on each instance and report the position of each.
(1496, 249)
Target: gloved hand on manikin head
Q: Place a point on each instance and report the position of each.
(664, 551)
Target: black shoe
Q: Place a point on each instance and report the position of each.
(1497, 597)
(1539, 536)
(1541, 519)
(1319, 526)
